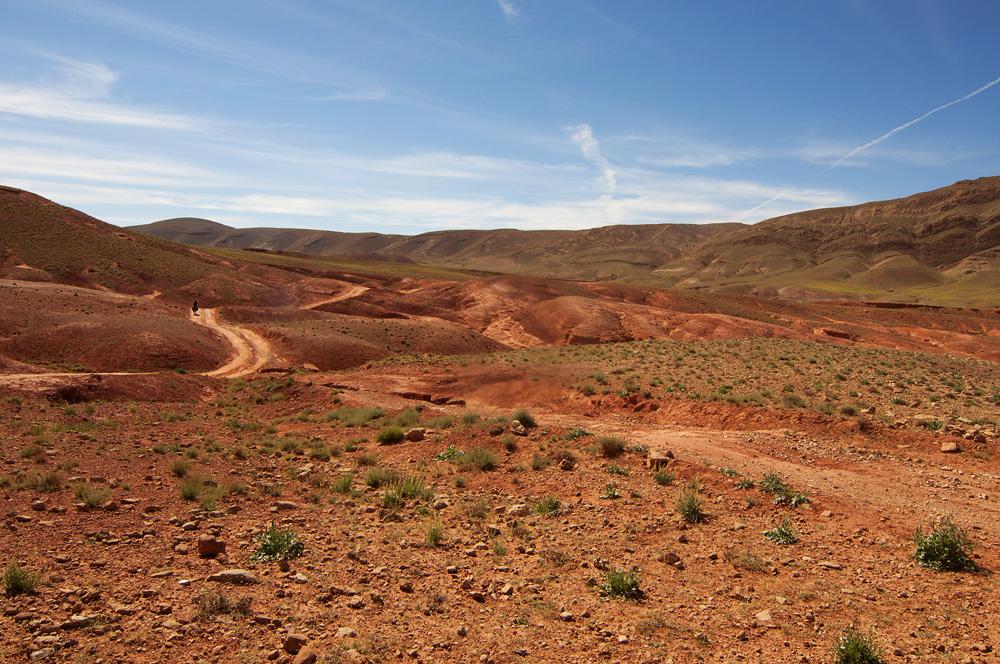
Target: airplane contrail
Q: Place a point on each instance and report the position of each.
(893, 132)
(887, 135)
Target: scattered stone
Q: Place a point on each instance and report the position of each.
(518, 510)
(306, 656)
(79, 621)
(566, 616)
(764, 617)
(346, 633)
(294, 643)
(416, 434)
(210, 546)
(235, 576)
(657, 459)
(950, 447)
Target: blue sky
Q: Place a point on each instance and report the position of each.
(408, 116)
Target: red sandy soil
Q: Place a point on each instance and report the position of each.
(48, 327)
(121, 581)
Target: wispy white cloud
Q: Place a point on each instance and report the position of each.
(511, 12)
(360, 94)
(677, 150)
(122, 169)
(81, 94)
(583, 135)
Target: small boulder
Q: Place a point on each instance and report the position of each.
(416, 434)
(950, 447)
(210, 546)
(294, 643)
(234, 576)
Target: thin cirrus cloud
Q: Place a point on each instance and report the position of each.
(82, 94)
(511, 12)
(360, 94)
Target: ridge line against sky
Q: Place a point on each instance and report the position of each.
(493, 113)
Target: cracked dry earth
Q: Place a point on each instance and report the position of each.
(472, 568)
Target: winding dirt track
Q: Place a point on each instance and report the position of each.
(251, 351)
(351, 292)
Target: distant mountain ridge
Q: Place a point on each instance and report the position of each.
(607, 252)
(937, 247)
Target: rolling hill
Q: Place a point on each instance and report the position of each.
(609, 252)
(938, 247)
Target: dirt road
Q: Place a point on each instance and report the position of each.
(251, 352)
(351, 292)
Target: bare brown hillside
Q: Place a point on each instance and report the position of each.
(938, 247)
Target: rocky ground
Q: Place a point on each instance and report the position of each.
(142, 521)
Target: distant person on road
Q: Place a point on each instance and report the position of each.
(194, 308)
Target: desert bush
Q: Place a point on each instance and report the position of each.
(622, 583)
(191, 488)
(47, 482)
(180, 467)
(689, 506)
(354, 417)
(547, 505)
(33, 451)
(856, 647)
(448, 454)
(442, 422)
(945, 548)
(378, 477)
(614, 469)
(18, 581)
(92, 495)
(782, 534)
(435, 534)
(215, 603)
(539, 462)
(611, 446)
(525, 418)
(343, 483)
(412, 486)
(276, 544)
(479, 457)
(390, 435)
(781, 493)
(408, 417)
(744, 560)
(663, 477)
(477, 510)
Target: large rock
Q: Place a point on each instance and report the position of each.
(234, 576)
(294, 643)
(210, 546)
(656, 459)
